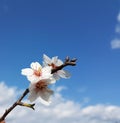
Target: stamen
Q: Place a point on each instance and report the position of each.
(41, 85)
(37, 72)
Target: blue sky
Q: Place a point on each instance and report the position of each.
(81, 28)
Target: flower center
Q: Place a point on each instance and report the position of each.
(41, 85)
(37, 72)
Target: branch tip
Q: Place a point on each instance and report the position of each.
(67, 59)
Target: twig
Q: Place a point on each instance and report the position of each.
(67, 62)
(14, 105)
(27, 105)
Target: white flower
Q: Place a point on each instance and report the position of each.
(55, 62)
(39, 79)
(40, 90)
(36, 72)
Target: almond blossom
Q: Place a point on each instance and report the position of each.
(54, 62)
(39, 77)
(37, 72)
(40, 90)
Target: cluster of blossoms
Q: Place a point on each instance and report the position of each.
(41, 76)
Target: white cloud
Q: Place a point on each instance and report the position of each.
(115, 44)
(82, 89)
(60, 111)
(59, 89)
(117, 30)
(118, 17)
(118, 25)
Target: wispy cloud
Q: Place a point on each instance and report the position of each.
(60, 111)
(115, 43)
(118, 17)
(117, 30)
(118, 25)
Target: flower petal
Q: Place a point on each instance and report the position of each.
(46, 59)
(51, 80)
(56, 76)
(63, 74)
(33, 95)
(33, 79)
(27, 71)
(45, 64)
(46, 69)
(59, 62)
(54, 59)
(45, 96)
(46, 72)
(35, 65)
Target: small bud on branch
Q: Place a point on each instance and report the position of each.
(26, 105)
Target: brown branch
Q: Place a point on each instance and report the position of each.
(14, 105)
(2, 121)
(23, 95)
(67, 62)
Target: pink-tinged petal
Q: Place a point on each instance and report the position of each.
(46, 69)
(47, 76)
(40, 90)
(47, 103)
(46, 72)
(33, 79)
(50, 80)
(33, 95)
(31, 87)
(27, 71)
(59, 62)
(46, 59)
(45, 96)
(35, 65)
(63, 74)
(32, 65)
(54, 59)
(56, 76)
(45, 64)
(38, 66)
